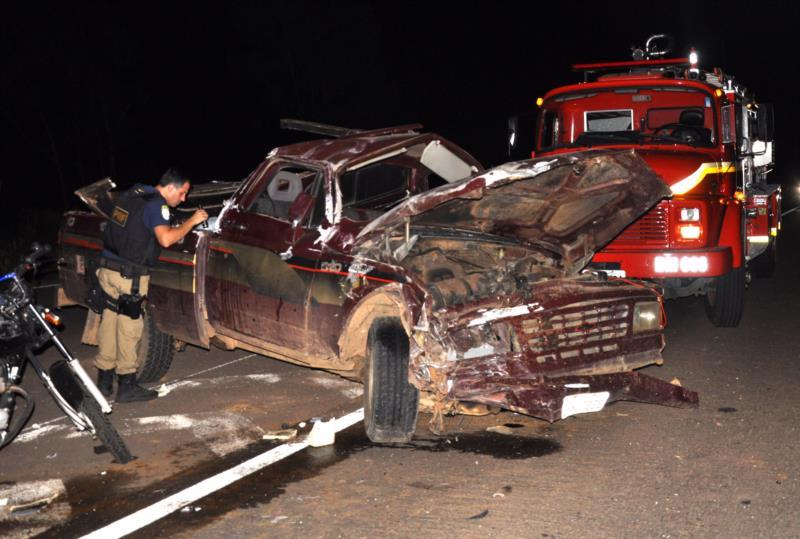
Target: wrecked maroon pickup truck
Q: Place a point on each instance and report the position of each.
(390, 257)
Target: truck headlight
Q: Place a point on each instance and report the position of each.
(690, 214)
(690, 232)
(646, 316)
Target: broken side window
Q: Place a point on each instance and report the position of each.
(374, 187)
(282, 188)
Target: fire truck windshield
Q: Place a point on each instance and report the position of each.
(647, 115)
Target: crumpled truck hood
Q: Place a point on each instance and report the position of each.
(569, 206)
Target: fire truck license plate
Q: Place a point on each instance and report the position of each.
(583, 403)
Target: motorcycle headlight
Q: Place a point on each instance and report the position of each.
(646, 316)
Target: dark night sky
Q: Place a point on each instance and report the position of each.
(91, 89)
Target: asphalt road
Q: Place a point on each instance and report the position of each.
(728, 469)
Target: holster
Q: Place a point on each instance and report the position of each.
(129, 305)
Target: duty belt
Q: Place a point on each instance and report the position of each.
(128, 270)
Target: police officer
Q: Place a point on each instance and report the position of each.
(136, 231)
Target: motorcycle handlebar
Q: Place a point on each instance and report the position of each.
(31, 261)
(37, 252)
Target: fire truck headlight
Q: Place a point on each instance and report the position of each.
(690, 214)
(690, 232)
(646, 316)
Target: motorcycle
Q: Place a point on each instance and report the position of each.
(25, 329)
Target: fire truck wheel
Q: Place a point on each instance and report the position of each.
(390, 402)
(725, 298)
(155, 352)
(764, 264)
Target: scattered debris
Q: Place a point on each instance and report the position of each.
(29, 495)
(322, 433)
(480, 515)
(498, 495)
(283, 434)
(191, 509)
(675, 382)
(500, 429)
(277, 519)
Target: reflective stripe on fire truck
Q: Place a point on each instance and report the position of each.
(691, 181)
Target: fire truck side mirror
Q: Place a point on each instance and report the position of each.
(727, 120)
(766, 121)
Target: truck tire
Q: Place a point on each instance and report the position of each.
(725, 298)
(764, 264)
(155, 352)
(390, 402)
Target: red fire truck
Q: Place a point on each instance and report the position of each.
(710, 140)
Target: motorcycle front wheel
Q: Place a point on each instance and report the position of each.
(104, 430)
(79, 405)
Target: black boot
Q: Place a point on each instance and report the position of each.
(105, 381)
(130, 391)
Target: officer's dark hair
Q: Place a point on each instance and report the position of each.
(172, 177)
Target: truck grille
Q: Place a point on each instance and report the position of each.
(650, 230)
(572, 333)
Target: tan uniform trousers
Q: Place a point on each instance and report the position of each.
(119, 335)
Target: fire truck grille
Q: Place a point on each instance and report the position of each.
(572, 333)
(650, 230)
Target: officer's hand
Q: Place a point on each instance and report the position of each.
(198, 216)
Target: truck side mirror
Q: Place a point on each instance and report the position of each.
(766, 121)
(513, 130)
(300, 208)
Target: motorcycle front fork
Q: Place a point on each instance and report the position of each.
(73, 363)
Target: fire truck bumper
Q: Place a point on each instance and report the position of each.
(660, 264)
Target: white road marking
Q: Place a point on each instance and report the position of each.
(227, 433)
(171, 385)
(41, 431)
(223, 433)
(237, 360)
(159, 510)
(166, 389)
(349, 389)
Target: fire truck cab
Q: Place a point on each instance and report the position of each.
(710, 140)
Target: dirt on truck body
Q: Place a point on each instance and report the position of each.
(391, 257)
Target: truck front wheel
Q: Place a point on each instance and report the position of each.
(725, 298)
(390, 402)
(155, 352)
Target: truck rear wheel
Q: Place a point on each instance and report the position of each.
(390, 402)
(725, 298)
(155, 352)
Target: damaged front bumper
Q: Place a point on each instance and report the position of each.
(556, 398)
